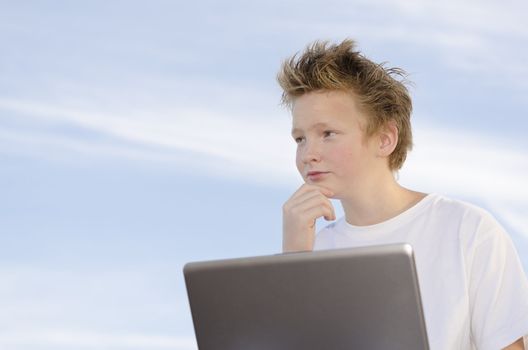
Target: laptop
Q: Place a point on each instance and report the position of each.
(353, 298)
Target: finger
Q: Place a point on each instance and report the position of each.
(307, 200)
(331, 217)
(320, 206)
(313, 213)
(302, 197)
(309, 188)
(309, 196)
(326, 191)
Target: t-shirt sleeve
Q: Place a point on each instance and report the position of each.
(498, 289)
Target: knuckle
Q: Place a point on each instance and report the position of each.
(295, 211)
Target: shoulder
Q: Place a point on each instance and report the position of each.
(482, 240)
(467, 217)
(448, 206)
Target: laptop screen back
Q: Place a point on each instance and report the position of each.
(355, 298)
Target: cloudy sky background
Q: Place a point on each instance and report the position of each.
(136, 136)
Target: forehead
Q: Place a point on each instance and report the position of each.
(325, 108)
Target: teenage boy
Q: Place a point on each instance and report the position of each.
(351, 123)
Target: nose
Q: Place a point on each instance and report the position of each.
(310, 152)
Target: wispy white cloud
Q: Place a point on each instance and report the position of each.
(483, 16)
(111, 83)
(78, 308)
(458, 162)
(67, 338)
(469, 36)
(446, 161)
(231, 144)
(260, 150)
(469, 164)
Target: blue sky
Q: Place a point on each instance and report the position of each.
(136, 136)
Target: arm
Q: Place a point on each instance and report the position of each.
(518, 345)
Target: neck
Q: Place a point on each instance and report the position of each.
(380, 201)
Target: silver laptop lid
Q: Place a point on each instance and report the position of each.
(354, 298)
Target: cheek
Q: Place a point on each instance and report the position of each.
(341, 154)
(346, 159)
(298, 161)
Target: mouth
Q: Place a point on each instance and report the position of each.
(316, 175)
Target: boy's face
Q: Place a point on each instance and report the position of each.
(332, 149)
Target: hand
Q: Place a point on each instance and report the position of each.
(299, 213)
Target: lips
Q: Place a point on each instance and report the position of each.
(316, 175)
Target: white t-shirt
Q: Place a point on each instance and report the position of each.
(474, 290)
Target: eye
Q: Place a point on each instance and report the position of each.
(329, 133)
(298, 139)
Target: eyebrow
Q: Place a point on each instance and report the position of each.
(320, 125)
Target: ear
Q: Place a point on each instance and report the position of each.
(388, 139)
